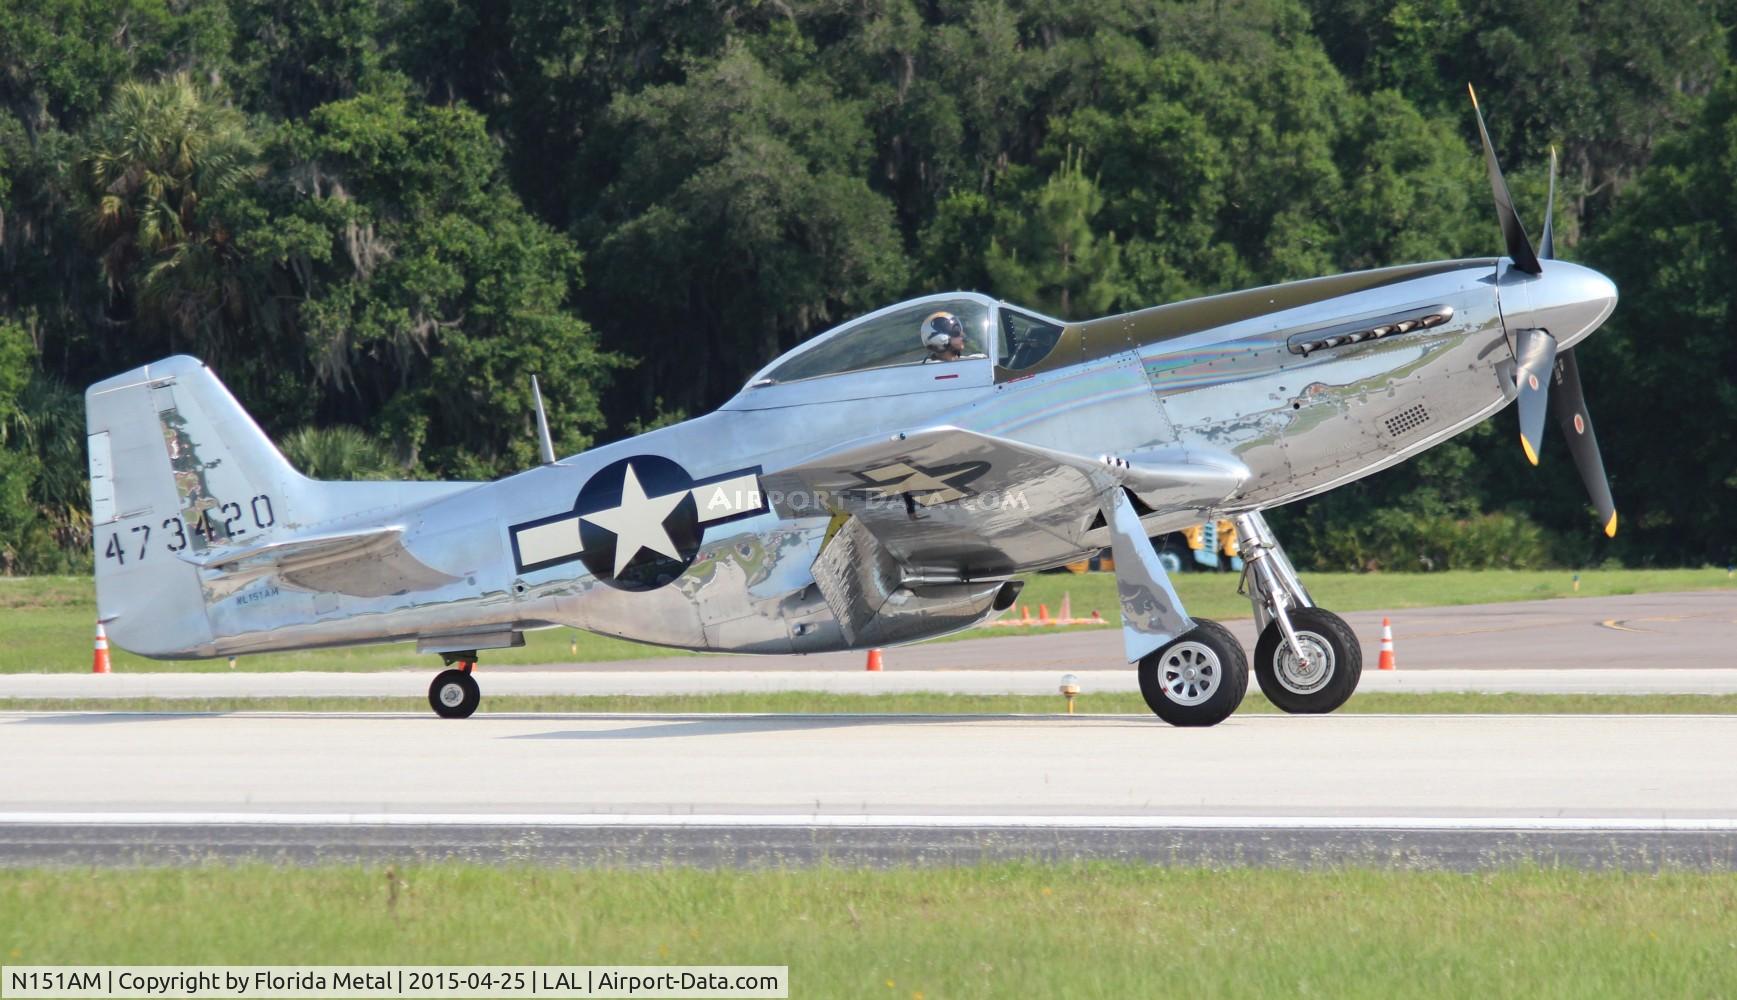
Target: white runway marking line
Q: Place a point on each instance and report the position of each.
(1553, 824)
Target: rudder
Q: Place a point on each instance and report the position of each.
(177, 467)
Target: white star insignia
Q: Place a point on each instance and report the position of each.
(637, 522)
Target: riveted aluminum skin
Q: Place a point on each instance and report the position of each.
(862, 507)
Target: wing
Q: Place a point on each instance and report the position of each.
(955, 502)
(372, 562)
(925, 518)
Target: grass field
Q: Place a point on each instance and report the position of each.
(810, 703)
(46, 622)
(1100, 930)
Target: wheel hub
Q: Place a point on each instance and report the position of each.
(1189, 673)
(1309, 675)
(451, 695)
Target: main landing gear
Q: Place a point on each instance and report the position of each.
(454, 693)
(1197, 679)
(1193, 672)
(1307, 659)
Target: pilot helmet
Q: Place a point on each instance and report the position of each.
(939, 329)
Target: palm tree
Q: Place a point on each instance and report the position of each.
(48, 422)
(337, 453)
(159, 153)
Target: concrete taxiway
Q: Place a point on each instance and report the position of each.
(1450, 791)
(1684, 643)
(1634, 632)
(1459, 791)
(588, 680)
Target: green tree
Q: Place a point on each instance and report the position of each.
(1049, 254)
(431, 295)
(48, 424)
(340, 452)
(17, 465)
(1662, 376)
(293, 57)
(954, 245)
(740, 222)
(369, 213)
(62, 57)
(1603, 81)
(1175, 138)
(148, 167)
(60, 61)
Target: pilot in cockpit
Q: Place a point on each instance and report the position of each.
(944, 336)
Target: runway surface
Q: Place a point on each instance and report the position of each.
(1635, 644)
(1036, 680)
(1636, 632)
(1460, 792)
(1456, 791)
(1640, 644)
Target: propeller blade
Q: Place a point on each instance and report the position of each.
(1519, 246)
(1547, 242)
(1569, 402)
(1535, 354)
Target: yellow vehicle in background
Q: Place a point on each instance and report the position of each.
(1213, 546)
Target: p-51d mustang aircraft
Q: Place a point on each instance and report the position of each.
(882, 483)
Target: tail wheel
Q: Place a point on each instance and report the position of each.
(1329, 672)
(1197, 678)
(454, 694)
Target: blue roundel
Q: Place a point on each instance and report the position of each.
(646, 503)
(637, 523)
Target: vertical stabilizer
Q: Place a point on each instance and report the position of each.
(177, 468)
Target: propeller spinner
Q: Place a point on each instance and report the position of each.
(1548, 312)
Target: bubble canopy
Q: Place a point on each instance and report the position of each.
(894, 337)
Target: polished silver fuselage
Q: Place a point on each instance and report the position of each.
(1301, 423)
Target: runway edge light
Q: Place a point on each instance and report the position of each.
(1070, 689)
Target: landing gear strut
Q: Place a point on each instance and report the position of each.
(1307, 659)
(1192, 671)
(454, 693)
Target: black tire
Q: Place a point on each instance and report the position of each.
(1177, 696)
(1302, 695)
(454, 694)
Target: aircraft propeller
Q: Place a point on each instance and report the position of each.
(1540, 369)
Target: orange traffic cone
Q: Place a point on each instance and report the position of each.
(1067, 609)
(1025, 613)
(1386, 662)
(874, 660)
(1043, 613)
(99, 663)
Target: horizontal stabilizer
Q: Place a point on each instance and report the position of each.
(294, 551)
(371, 562)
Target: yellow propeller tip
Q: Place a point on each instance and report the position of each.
(1531, 453)
(1610, 528)
(1472, 91)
